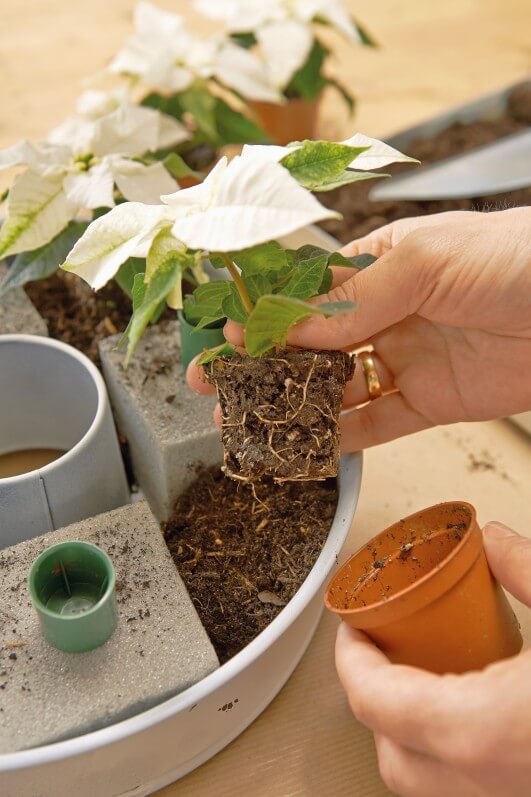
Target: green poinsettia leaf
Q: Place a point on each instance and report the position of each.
(345, 178)
(127, 272)
(198, 101)
(308, 81)
(148, 301)
(270, 256)
(233, 306)
(349, 100)
(258, 284)
(317, 163)
(274, 315)
(356, 261)
(306, 278)
(216, 261)
(245, 40)
(224, 350)
(366, 37)
(326, 284)
(44, 261)
(215, 322)
(235, 128)
(206, 302)
(179, 169)
(169, 104)
(138, 291)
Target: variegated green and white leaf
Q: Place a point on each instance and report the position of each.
(37, 210)
(44, 261)
(378, 155)
(164, 248)
(111, 239)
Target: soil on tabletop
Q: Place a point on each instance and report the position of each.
(243, 551)
(361, 216)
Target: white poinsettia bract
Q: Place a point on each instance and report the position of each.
(81, 163)
(240, 204)
(283, 28)
(166, 56)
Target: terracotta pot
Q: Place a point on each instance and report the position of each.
(423, 592)
(296, 120)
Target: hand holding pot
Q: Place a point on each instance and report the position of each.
(461, 735)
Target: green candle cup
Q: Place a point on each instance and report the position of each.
(194, 341)
(72, 587)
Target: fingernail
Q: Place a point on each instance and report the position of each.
(497, 531)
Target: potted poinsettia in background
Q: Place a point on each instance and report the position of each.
(134, 143)
(203, 81)
(279, 407)
(295, 58)
(104, 154)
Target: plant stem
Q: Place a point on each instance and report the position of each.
(240, 285)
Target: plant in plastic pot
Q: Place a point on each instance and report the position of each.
(295, 58)
(280, 407)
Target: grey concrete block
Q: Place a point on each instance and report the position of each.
(17, 313)
(158, 649)
(169, 428)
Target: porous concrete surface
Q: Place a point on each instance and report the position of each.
(17, 313)
(169, 428)
(158, 649)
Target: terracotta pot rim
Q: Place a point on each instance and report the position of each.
(413, 597)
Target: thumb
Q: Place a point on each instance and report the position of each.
(391, 289)
(509, 557)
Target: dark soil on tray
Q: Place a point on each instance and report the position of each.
(361, 216)
(280, 413)
(243, 551)
(78, 315)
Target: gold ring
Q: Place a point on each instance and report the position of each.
(371, 375)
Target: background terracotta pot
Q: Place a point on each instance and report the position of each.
(296, 120)
(423, 591)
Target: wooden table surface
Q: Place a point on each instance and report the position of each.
(306, 744)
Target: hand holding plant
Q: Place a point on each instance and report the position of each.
(446, 307)
(234, 217)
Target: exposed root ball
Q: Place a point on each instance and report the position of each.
(280, 413)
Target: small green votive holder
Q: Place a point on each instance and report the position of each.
(72, 587)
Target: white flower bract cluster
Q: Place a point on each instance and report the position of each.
(283, 28)
(166, 56)
(81, 163)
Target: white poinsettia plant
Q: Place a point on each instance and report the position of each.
(103, 154)
(284, 31)
(184, 73)
(234, 218)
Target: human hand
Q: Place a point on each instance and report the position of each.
(447, 307)
(460, 735)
